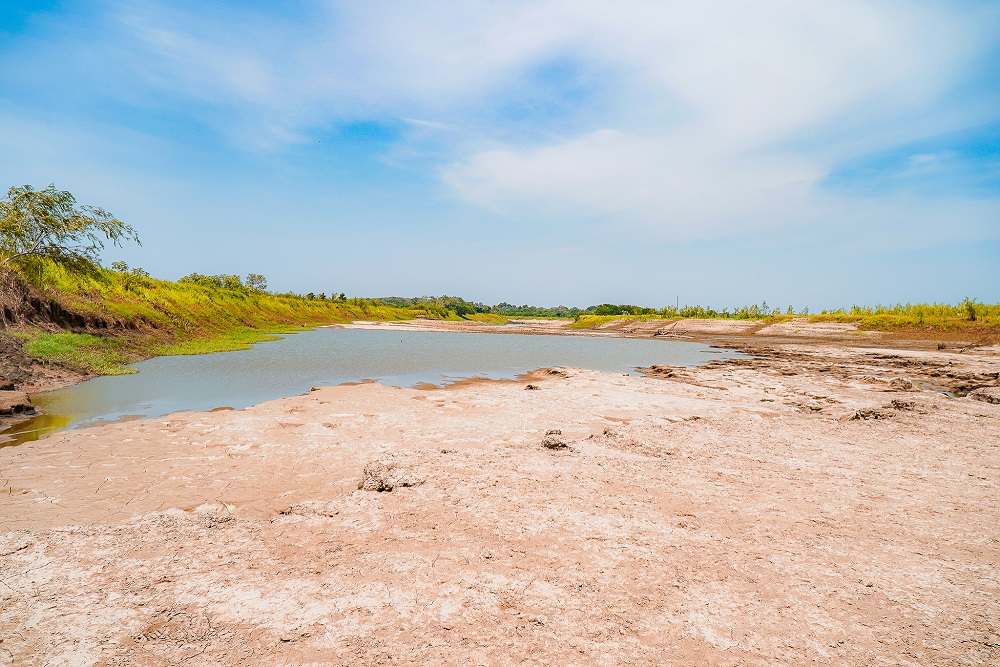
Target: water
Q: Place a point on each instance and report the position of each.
(298, 362)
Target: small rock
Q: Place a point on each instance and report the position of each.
(901, 384)
(532, 387)
(901, 405)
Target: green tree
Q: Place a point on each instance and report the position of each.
(130, 277)
(256, 281)
(48, 223)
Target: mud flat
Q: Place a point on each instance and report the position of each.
(813, 505)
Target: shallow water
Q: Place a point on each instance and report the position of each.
(298, 362)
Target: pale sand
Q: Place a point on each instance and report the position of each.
(729, 515)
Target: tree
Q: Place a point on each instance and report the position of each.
(256, 281)
(130, 277)
(47, 223)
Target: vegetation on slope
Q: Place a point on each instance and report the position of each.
(935, 316)
(140, 316)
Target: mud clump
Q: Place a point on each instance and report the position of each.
(986, 395)
(14, 402)
(866, 414)
(660, 371)
(553, 440)
(376, 478)
(384, 477)
(900, 384)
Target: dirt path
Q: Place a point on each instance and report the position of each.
(729, 515)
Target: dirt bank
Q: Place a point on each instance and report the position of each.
(733, 333)
(811, 506)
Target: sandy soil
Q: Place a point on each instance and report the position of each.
(813, 505)
(736, 333)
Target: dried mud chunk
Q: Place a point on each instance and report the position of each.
(659, 370)
(379, 476)
(553, 440)
(986, 395)
(15, 402)
(901, 384)
(869, 413)
(376, 478)
(901, 405)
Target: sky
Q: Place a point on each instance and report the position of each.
(814, 154)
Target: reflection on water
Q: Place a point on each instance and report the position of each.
(296, 363)
(35, 428)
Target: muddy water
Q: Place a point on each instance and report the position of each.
(326, 356)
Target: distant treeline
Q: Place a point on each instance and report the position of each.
(879, 316)
(442, 306)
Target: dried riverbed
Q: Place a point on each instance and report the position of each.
(817, 504)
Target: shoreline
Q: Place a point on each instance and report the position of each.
(748, 336)
(812, 503)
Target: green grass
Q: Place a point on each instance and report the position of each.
(931, 316)
(150, 317)
(83, 352)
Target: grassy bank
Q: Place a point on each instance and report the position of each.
(148, 317)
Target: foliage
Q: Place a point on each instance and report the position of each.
(222, 281)
(256, 281)
(47, 223)
(882, 318)
(969, 313)
(155, 317)
(130, 277)
(453, 307)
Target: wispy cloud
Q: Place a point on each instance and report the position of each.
(663, 120)
(723, 117)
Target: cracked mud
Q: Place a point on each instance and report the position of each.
(730, 514)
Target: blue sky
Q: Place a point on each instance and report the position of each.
(550, 152)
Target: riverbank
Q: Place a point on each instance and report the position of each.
(738, 334)
(745, 335)
(818, 503)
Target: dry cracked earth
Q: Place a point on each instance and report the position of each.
(813, 505)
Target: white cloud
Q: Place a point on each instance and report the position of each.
(726, 115)
(682, 188)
